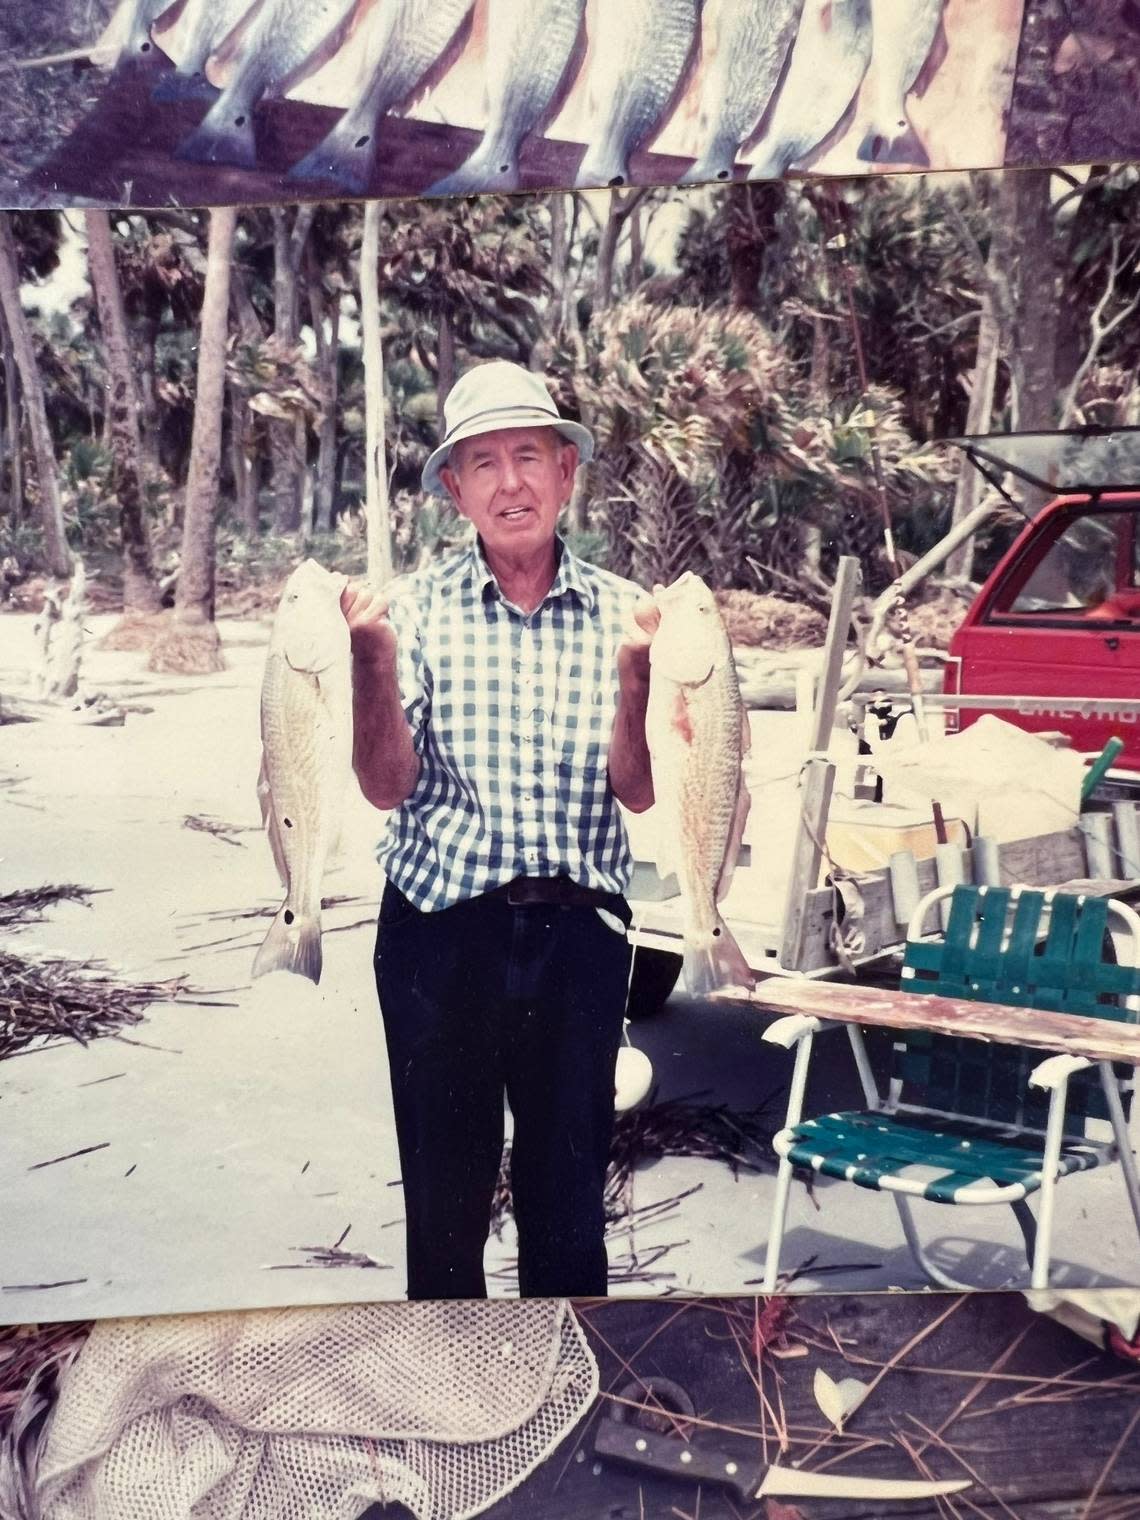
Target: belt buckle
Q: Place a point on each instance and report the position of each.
(516, 893)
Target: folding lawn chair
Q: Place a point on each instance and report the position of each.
(980, 1122)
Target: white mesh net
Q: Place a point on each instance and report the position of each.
(290, 1414)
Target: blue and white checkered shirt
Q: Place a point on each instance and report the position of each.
(511, 715)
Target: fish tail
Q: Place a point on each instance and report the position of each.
(713, 961)
(292, 944)
(605, 164)
(892, 145)
(178, 86)
(492, 166)
(225, 137)
(343, 157)
(716, 163)
(772, 162)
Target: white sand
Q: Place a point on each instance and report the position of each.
(263, 1127)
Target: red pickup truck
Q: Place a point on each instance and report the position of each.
(1052, 641)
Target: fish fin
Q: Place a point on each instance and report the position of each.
(223, 138)
(680, 719)
(175, 87)
(939, 50)
(309, 651)
(745, 733)
(269, 821)
(713, 962)
(323, 53)
(224, 60)
(292, 944)
(735, 839)
(166, 20)
(666, 862)
(905, 147)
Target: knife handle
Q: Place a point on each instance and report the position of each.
(673, 1458)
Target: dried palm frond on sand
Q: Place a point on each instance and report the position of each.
(29, 904)
(32, 1357)
(710, 1132)
(52, 999)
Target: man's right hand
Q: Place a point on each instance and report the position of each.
(373, 637)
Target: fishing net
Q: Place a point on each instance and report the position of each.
(285, 1414)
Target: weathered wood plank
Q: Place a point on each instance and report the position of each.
(121, 154)
(815, 800)
(1001, 1023)
(1047, 860)
(819, 773)
(1043, 859)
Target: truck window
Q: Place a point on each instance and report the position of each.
(1082, 569)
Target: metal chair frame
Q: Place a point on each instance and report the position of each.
(1051, 1074)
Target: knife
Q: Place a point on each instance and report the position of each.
(667, 1456)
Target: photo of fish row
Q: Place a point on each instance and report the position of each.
(715, 89)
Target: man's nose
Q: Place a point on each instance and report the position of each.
(512, 476)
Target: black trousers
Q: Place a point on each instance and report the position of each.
(482, 998)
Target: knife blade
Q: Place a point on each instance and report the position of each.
(668, 1456)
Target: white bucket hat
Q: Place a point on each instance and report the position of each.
(494, 396)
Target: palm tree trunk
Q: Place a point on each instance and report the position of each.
(56, 553)
(1035, 335)
(244, 457)
(968, 488)
(445, 367)
(146, 340)
(378, 524)
(11, 445)
(327, 354)
(286, 438)
(191, 642)
(140, 590)
(243, 463)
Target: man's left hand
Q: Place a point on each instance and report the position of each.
(633, 653)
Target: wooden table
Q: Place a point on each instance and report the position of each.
(1002, 1023)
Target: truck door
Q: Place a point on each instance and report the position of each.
(1060, 618)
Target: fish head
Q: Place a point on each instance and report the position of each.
(690, 641)
(309, 629)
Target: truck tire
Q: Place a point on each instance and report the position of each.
(655, 974)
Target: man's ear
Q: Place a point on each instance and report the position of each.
(454, 490)
(568, 461)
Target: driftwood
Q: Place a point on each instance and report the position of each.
(95, 713)
(65, 649)
(59, 632)
(1071, 1034)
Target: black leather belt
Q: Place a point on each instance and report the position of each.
(557, 891)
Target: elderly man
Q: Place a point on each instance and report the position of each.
(499, 705)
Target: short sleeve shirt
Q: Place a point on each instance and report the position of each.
(511, 715)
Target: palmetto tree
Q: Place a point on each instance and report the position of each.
(471, 270)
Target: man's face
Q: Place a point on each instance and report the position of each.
(512, 484)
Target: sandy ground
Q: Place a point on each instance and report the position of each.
(235, 1139)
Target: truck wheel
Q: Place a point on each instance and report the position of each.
(655, 974)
